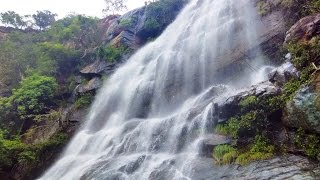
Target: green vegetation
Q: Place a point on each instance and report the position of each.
(304, 53)
(250, 123)
(36, 78)
(44, 19)
(55, 59)
(111, 53)
(224, 154)
(34, 95)
(12, 18)
(126, 23)
(15, 153)
(308, 143)
(258, 150)
(160, 14)
(152, 23)
(298, 8)
(84, 101)
(256, 117)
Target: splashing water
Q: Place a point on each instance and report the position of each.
(148, 120)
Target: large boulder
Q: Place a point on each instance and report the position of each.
(130, 22)
(304, 29)
(304, 109)
(89, 86)
(210, 142)
(283, 74)
(127, 39)
(230, 106)
(285, 167)
(98, 68)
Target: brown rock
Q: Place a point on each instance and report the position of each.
(92, 85)
(95, 68)
(304, 29)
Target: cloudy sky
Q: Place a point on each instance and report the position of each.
(61, 7)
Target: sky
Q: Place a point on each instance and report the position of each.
(62, 7)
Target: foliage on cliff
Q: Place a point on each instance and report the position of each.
(254, 127)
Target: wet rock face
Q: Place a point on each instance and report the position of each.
(304, 29)
(210, 142)
(304, 110)
(283, 74)
(288, 167)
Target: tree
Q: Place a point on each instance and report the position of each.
(13, 19)
(44, 19)
(113, 6)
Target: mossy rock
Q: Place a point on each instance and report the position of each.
(304, 110)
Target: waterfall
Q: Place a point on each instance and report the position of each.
(150, 117)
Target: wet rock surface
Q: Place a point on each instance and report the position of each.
(211, 141)
(287, 167)
(230, 106)
(283, 74)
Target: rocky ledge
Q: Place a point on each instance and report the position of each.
(284, 167)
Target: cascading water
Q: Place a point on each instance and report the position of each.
(150, 117)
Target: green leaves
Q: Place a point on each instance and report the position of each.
(43, 19)
(110, 53)
(13, 152)
(224, 154)
(13, 19)
(34, 94)
(259, 150)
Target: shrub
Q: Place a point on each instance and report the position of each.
(308, 143)
(248, 103)
(83, 101)
(14, 153)
(34, 95)
(260, 150)
(111, 53)
(230, 128)
(126, 23)
(152, 23)
(224, 154)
